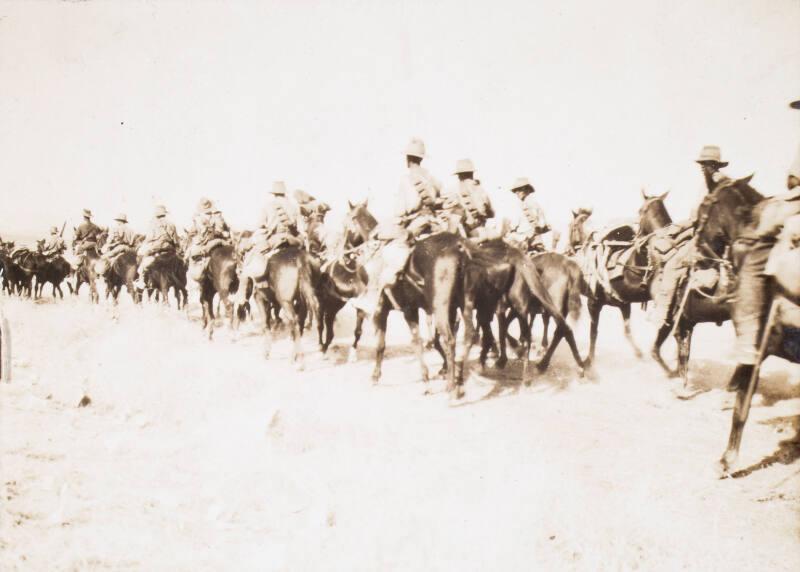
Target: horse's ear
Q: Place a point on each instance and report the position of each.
(644, 194)
(574, 214)
(350, 205)
(745, 180)
(663, 196)
(366, 202)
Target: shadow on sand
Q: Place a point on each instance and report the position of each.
(788, 450)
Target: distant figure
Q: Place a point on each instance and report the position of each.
(54, 245)
(161, 238)
(86, 235)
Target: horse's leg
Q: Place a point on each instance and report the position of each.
(380, 320)
(740, 379)
(468, 338)
(503, 322)
(545, 326)
(293, 322)
(263, 306)
(412, 319)
(655, 351)
(329, 318)
(595, 307)
(321, 326)
(625, 310)
(684, 338)
(360, 315)
(487, 338)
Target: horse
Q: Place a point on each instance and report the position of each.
(345, 277)
(53, 271)
(432, 280)
(85, 272)
(287, 283)
(219, 277)
(577, 234)
(28, 263)
(722, 217)
(15, 280)
(779, 336)
(122, 272)
(168, 270)
(504, 277)
(631, 269)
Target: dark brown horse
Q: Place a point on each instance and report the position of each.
(28, 262)
(122, 273)
(504, 277)
(168, 271)
(432, 281)
(345, 278)
(286, 283)
(219, 278)
(53, 271)
(722, 217)
(632, 272)
(15, 279)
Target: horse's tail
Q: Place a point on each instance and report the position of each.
(525, 267)
(306, 287)
(445, 277)
(576, 285)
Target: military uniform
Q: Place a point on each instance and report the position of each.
(54, 245)
(676, 268)
(468, 206)
(161, 237)
(752, 300)
(530, 222)
(86, 234)
(120, 238)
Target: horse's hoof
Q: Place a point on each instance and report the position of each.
(581, 372)
(725, 464)
(501, 363)
(541, 367)
(376, 377)
(427, 392)
(459, 393)
(352, 356)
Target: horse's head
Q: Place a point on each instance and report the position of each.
(725, 213)
(576, 231)
(653, 214)
(358, 224)
(40, 245)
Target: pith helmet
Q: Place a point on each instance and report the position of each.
(278, 188)
(87, 213)
(204, 205)
(464, 166)
(416, 148)
(522, 183)
(161, 210)
(53, 230)
(795, 104)
(711, 154)
(121, 218)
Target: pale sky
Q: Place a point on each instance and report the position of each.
(118, 106)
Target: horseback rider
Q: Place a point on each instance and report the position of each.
(86, 235)
(469, 206)
(313, 212)
(752, 306)
(161, 238)
(677, 266)
(120, 238)
(208, 230)
(531, 224)
(54, 245)
(416, 214)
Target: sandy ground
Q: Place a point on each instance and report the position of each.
(197, 455)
